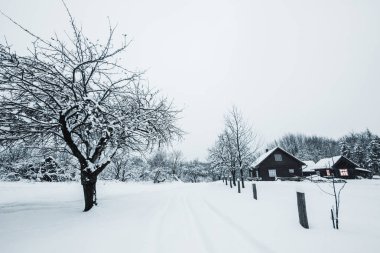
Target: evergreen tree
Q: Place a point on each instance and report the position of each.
(359, 155)
(345, 149)
(374, 155)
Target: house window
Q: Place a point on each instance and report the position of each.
(343, 172)
(291, 171)
(278, 157)
(328, 172)
(272, 173)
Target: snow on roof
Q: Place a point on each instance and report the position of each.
(309, 163)
(362, 169)
(264, 156)
(309, 166)
(327, 163)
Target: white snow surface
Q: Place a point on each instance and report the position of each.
(179, 217)
(327, 163)
(309, 166)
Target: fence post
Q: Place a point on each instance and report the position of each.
(302, 209)
(332, 218)
(254, 191)
(238, 186)
(231, 182)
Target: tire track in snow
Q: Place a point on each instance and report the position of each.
(160, 226)
(200, 228)
(177, 227)
(153, 236)
(26, 207)
(244, 233)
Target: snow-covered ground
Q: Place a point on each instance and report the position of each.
(177, 217)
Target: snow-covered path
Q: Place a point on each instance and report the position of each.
(187, 219)
(168, 218)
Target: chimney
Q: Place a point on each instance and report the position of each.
(266, 151)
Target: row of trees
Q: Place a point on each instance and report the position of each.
(18, 163)
(306, 147)
(158, 167)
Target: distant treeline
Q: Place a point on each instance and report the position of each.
(361, 147)
(20, 163)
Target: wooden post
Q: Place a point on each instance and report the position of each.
(254, 191)
(332, 218)
(231, 182)
(238, 186)
(302, 210)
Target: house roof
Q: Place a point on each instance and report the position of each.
(328, 163)
(309, 166)
(264, 156)
(361, 169)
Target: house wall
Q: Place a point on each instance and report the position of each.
(282, 167)
(308, 173)
(351, 172)
(364, 174)
(323, 172)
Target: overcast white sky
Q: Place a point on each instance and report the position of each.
(298, 66)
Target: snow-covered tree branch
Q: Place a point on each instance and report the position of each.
(79, 92)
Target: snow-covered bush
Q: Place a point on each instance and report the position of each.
(36, 169)
(195, 171)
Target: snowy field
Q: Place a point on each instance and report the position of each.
(177, 217)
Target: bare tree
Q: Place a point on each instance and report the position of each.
(159, 166)
(76, 91)
(119, 165)
(236, 147)
(336, 187)
(244, 140)
(221, 156)
(336, 194)
(175, 160)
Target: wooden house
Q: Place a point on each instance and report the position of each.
(337, 166)
(276, 163)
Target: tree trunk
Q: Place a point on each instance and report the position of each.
(233, 173)
(117, 176)
(123, 176)
(88, 180)
(242, 178)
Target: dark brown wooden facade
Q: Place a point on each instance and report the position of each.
(363, 173)
(275, 164)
